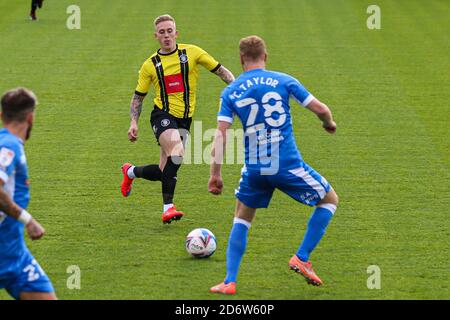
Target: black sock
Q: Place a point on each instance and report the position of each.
(34, 6)
(169, 178)
(151, 172)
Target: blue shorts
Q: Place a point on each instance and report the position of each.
(303, 184)
(28, 276)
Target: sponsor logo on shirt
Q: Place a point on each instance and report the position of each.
(174, 83)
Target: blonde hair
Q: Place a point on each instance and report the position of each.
(162, 18)
(252, 47)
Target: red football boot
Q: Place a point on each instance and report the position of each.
(305, 269)
(127, 181)
(171, 214)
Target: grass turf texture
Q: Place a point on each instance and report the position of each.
(389, 160)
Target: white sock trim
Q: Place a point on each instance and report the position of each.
(329, 206)
(130, 172)
(167, 207)
(242, 221)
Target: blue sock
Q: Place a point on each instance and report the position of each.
(236, 248)
(317, 225)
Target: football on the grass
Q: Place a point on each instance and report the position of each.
(201, 243)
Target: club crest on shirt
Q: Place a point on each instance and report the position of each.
(6, 157)
(183, 58)
(165, 122)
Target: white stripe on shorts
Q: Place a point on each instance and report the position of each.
(313, 183)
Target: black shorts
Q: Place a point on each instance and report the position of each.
(161, 121)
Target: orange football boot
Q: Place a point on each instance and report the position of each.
(305, 269)
(229, 288)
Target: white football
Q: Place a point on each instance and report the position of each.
(201, 243)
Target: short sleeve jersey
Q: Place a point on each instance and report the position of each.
(260, 99)
(14, 174)
(175, 76)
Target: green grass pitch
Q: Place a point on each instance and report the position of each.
(389, 161)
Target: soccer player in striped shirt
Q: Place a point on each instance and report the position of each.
(260, 99)
(173, 72)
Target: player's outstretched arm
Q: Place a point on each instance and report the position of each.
(215, 183)
(135, 113)
(7, 205)
(324, 114)
(225, 74)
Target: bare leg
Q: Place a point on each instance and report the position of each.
(244, 212)
(331, 197)
(171, 145)
(38, 296)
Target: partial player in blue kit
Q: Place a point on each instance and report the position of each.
(20, 273)
(260, 99)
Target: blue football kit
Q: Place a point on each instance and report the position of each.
(260, 99)
(19, 271)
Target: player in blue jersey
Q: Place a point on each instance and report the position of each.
(20, 273)
(260, 99)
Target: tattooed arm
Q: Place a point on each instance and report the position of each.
(135, 113)
(225, 74)
(9, 207)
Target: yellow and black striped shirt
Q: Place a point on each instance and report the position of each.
(174, 76)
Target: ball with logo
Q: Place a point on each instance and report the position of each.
(201, 243)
